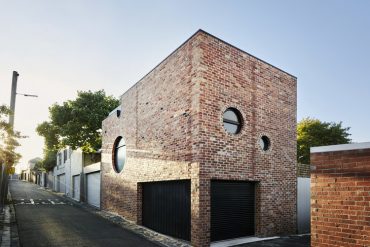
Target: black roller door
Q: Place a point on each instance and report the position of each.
(232, 209)
(166, 207)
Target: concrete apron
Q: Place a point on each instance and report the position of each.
(238, 241)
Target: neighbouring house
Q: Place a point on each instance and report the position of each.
(203, 147)
(77, 175)
(50, 179)
(62, 172)
(91, 190)
(28, 173)
(340, 195)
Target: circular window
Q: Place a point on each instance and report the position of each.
(265, 143)
(119, 154)
(232, 121)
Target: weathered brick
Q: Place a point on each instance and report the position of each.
(172, 123)
(346, 186)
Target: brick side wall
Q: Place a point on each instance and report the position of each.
(340, 198)
(159, 124)
(172, 123)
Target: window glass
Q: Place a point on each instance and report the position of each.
(231, 128)
(232, 121)
(119, 153)
(264, 143)
(230, 115)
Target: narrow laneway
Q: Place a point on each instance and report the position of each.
(45, 219)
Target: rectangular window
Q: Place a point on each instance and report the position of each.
(59, 159)
(65, 153)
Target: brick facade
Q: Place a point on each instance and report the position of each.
(340, 197)
(172, 123)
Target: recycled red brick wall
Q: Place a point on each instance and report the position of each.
(172, 123)
(340, 198)
(266, 98)
(159, 124)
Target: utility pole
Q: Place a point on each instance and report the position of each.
(4, 167)
(4, 171)
(12, 98)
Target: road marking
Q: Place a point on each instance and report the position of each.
(40, 202)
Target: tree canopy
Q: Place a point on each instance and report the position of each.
(75, 123)
(8, 139)
(313, 132)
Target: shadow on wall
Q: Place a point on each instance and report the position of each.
(112, 199)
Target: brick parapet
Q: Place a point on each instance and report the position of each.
(340, 198)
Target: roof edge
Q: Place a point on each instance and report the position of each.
(174, 51)
(187, 40)
(201, 30)
(340, 147)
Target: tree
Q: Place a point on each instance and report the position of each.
(312, 133)
(51, 144)
(8, 140)
(75, 123)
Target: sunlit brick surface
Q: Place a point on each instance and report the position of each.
(340, 199)
(172, 123)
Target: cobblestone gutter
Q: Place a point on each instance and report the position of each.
(9, 228)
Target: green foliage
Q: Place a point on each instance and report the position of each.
(8, 139)
(51, 145)
(313, 133)
(39, 166)
(76, 123)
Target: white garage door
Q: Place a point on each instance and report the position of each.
(93, 189)
(76, 187)
(62, 183)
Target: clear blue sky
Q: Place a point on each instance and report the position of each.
(59, 47)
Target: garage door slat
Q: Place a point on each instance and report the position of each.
(166, 207)
(232, 209)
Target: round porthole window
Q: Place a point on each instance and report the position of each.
(265, 143)
(232, 121)
(119, 154)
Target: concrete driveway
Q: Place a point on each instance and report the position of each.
(289, 241)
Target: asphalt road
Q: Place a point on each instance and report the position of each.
(45, 219)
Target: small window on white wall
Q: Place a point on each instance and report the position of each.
(65, 155)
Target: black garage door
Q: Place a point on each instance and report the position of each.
(166, 207)
(232, 209)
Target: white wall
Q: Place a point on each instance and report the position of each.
(70, 167)
(76, 169)
(303, 205)
(76, 162)
(56, 172)
(93, 184)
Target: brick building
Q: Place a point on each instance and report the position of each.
(203, 147)
(340, 195)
